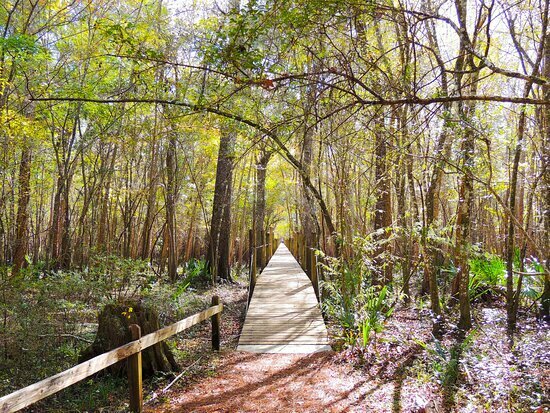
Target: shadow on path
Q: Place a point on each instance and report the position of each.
(276, 383)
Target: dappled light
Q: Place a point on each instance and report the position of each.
(274, 206)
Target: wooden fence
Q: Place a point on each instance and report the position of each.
(260, 255)
(131, 351)
(306, 257)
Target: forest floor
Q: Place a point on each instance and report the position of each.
(248, 382)
(405, 370)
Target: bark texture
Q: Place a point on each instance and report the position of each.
(219, 240)
(21, 242)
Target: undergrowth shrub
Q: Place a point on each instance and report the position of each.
(486, 272)
(119, 279)
(49, 317)
(444, 360)
(44, 324)
(376, 310)
(357, 306)
(196, 274)
(533, 287)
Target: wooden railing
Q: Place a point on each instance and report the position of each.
(260, 255)
(262, 245)
(306, 257)
(131, 351)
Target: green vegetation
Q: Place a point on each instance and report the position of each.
(53, 318)
(146, 146)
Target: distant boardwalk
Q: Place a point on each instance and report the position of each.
(284, 315)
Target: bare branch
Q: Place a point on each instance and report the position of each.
(374, 102)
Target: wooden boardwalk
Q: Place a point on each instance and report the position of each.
(283, 315)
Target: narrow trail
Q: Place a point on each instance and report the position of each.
(283, 362)
(252, 382)
(284, 314)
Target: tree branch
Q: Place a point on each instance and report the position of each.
(199, 108)
(468, 44)
(414, 100)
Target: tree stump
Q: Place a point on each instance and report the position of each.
(113, 331)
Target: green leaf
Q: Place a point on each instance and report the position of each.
(19, 44)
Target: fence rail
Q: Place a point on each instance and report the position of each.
(259, 255)
(306, 257)
(132, 351)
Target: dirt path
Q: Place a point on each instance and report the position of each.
(396, 374)
(235, 382)
(248, 382)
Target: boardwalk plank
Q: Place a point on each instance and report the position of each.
(284, 315)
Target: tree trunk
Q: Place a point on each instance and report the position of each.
(65, 254)
(463, 229)
(383, 208)
(102, 233)
(403, 228)
(145, 245)
(546, 180)
(404, 170)
(510, 235)
(259, 210)
(113, 331)
(465, 201)
(463, 220)
(441, 151)
(511, 300)
(55, 228)
(21, 240)
(307, 212)
(219, 239)
(171, 194)
(64, 146)
(191, 234)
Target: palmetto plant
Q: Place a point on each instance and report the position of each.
(359, 307)
(375, 312)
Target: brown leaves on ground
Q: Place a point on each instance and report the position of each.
(248, 382)
(393, 374)
(322, 382)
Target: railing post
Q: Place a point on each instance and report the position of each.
(308, 261)
(302, 250)
(254, 269)
(263, 250)
(321, 276)
(314, 277)
(252, 280)
(134, 374)
(250, 243)
(216, 321)
(269, 247)
(272, 243)
(259, 242)
(253, 259)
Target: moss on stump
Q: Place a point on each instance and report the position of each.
(113, 331)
